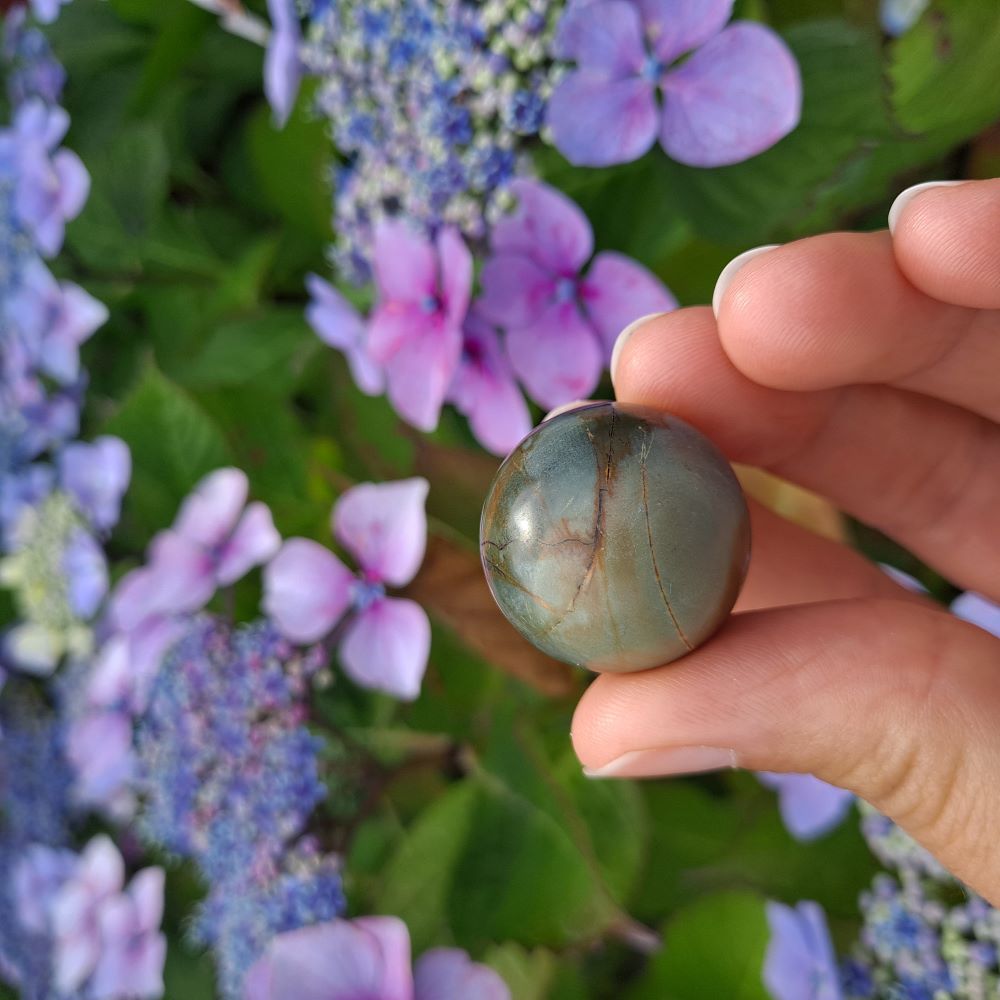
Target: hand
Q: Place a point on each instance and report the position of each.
(865, 367)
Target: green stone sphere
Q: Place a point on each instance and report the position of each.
(615, 537)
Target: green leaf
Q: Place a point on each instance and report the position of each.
(713, 948)
(173, 441)
(944, 69)
(528, 974)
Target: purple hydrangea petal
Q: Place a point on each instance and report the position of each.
(254, 540)
(210, 512)
(447, 973)
(809, 807)
(86, 572)
(405, 263)
(394, 942)
(183, 577)
(979, 610)
(596, 122)
(38, 875)
(307, 589)
(735, 97)
(799, 963)
(77, 316)
(675, 27)
(604, 38)
(96, 476)
(456, 275)
(74, 183)
(282, 65)
(515, 289)
(99, 746)
(545, 226)
(384, 526)
(558, 358)
(618, 290)
(386, 647)
(391, 325)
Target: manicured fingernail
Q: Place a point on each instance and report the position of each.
(665, 761)
(565, 407)
(905, 197)
(616, 351)
(725, 279)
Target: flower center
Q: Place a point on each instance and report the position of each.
(565, 290)
(651, 69)
(430, 304)
(365, 593)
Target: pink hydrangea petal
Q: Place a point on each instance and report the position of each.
(559, 358)
(384, 526)
(605, 38)
(978, 610)
(394, 941)
(617, 291)
(334, 319)
(419, 373)
(307, 589)
(735, 97)
(597, 122)
(254, 541)
(146, 892)
(211, 510)
(497, 413)
(447, 973)
(73, 959)
(102, 866)
(515, 289)
(183, 578)
(391, 325)
(546, 226)
(132, 598)
(99, 747)
(386, 647)
(405, 263)
(456, 274)
(675, 27)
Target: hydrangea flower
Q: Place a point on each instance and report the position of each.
(367, 957)
(308, 591)
(809, 807)
(898, 16)
(561, 324)
(38, 876)
(95, 476)
(32, 70)
(800, 963)
(282, 65)
(736, 94)
(99, 747)
(415, 331)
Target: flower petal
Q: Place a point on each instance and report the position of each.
(146, 891)
(446, 973)
(546, 226)
(386, 647)
(799, 961)
(604, 38)
(558, 358)
(618, 290)
(86, 573)
(420, 372)
(384, 526)
(735, 97)
(253, 542)
(96, 476)
(675, 27)
(282, 65)
(211, 510)
(515, 289)
(307, 589)
(394, 942)
(809, 807)
(334, 319)
(182, 574)
(405, 263)
(597, 122)
(979, 610)
(456, 274)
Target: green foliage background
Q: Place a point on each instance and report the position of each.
(202, 224)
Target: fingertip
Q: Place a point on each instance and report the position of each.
(729, 272)
(906, 196)
(624, 337)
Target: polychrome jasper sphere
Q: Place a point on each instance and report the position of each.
(615, 537)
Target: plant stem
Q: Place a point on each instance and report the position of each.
(236, 20)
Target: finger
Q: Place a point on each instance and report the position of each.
(897, 702)
(945, 238)
(792, 565)
(837, 310)
(918, 469)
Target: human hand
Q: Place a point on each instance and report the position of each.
(865, 367)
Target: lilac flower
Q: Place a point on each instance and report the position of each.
(367, 957)
(415, 332)
(339, 324)
(800, 964)
(215, 539)
(133, 950)
(809, 807)
(96, 476)
(308, 590)
(282, 65)
(561, 325)
(99, 876)
(736, 94)
(979, 610)
(484, 388)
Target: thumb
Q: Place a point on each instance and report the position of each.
(896, 701)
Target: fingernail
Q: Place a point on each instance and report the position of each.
(725, 278)
(565, 407)
(905, 197)
(616, 351)
(665, 761)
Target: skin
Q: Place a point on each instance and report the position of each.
(865, 367)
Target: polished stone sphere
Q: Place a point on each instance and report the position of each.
(615, 537)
